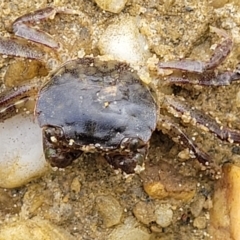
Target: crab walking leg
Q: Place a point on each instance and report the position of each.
(219, 55)
(12, 100)
(174, 130)
(209, 78)
(22, 25)
(17, 48)
(177, 107)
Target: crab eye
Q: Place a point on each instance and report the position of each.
(133, 144)
(53, 133)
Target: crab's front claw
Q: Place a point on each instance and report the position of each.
(56, 154)
(126, 163)
(219, 55)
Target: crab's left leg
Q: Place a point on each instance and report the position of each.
(22, 27)
(14, 47)
(181, 109)
(209, 78)
(204, 70)
(219, 55)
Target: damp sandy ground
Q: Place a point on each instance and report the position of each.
(89, 200)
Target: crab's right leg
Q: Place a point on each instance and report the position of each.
(11, 101)
(174, 130)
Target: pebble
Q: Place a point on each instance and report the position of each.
(76, 185)
(9, 204)
(200, 222)
(114, 6)
(123, 41)
(164, 215)
(109, 209)
(129, 230)
(197, 206)
(23, 159)
(225, 214)
(21, 71)
(144, 212)
(35, 228)
(167, 183)
(237, 99)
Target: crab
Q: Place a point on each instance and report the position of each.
(92, 105)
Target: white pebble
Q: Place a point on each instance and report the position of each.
(21, 158)
(164, 215)
(123, 41)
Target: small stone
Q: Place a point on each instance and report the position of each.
(109, 209)
(129, 230)
(23, 159)
(200, 222)
(164, 215)
(21, 71)
(35, 228)
(155, 190)
(123, 41)
(114, 6)
(60, 213)
(197, 206)
(237, 101)
(156, 229)
(225, 214)
(163, 181)
(8, 204)
(144, 212)
(76, 185)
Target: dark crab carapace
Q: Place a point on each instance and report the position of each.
(92, 105)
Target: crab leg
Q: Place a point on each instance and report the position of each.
(19, 49)
(175, 131)
(224, 133)
(12, 100)
(219, 55)
(209, 78)
(22, 25)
